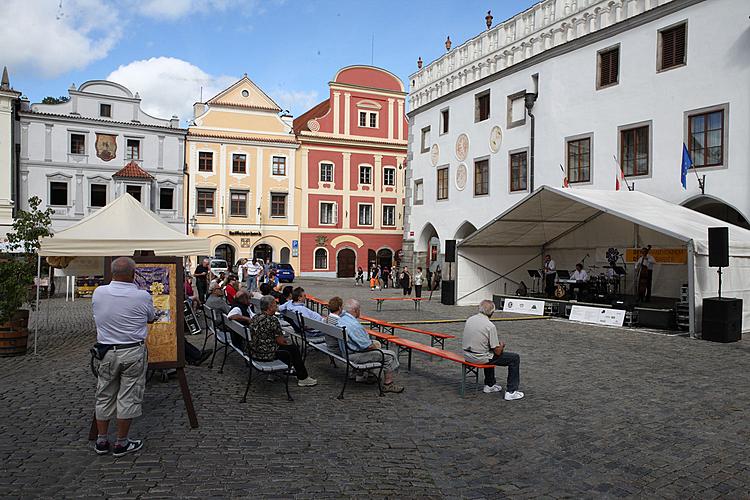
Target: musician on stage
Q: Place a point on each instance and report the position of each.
(550, 271)
(582, 278)
(644, 269)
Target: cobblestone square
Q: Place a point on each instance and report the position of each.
(608, 413)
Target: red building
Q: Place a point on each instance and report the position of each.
(351, 157)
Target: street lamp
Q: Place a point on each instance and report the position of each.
(193, 223)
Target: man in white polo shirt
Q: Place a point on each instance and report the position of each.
(121, 312)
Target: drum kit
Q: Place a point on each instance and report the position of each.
(601, 286)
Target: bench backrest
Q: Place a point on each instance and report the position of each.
(255, 304)
(337, 332)
(210, 316)
(293, 318)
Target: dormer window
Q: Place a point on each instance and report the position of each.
(105, 110)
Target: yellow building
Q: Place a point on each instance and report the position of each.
(241, 171)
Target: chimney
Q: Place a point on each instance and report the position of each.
(198, 109)
(287, 118)
(174, 122)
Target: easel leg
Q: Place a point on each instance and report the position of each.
(93, 432)
(187, 398)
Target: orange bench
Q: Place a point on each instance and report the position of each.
(380, 300)
(384, 326)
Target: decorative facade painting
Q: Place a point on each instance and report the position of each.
(106, 146)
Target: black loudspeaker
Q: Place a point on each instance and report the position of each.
(448, 292)
(722, 319)
(718, 246)
(450, 250)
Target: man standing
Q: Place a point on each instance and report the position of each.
(201, 279)
(644, 269)
(121, 313)
(251, 271)
(405, 278)
(481, 345)
(550, 271)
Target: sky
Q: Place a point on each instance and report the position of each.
(167, 50)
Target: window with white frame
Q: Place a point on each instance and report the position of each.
(97, 195)
(132, 149)
(326, 172)
(389, 176)
(365, 215)
(368, 119)
(58, 193)
(389, 215)
(425, 140)
(444, 121)
(328, 213)
(365, 174)
(418, 192)
(78, 144)
(239, 163)
(321, 258)
(278, 165)
(166, 198)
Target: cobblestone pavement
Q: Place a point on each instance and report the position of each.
(607, 413)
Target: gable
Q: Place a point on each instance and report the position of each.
(245, 94)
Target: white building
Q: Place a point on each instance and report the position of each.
(79, 155)
(8, 181)
(611, 82)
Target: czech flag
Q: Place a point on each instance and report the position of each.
(619, 179)
(686, 164)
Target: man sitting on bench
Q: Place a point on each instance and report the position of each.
(359, 340)
(481, 345)
(297, 305)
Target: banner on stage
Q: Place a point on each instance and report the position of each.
(535, 307)
(660, 255)
(597, 315)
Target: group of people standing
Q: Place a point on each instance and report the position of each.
(383, 277)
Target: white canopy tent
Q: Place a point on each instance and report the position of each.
(577, 224)
(122, 227)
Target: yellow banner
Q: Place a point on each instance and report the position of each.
(660, 255)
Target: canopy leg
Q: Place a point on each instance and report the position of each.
(38, 282)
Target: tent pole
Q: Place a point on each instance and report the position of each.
(38, 282)
(691, 290)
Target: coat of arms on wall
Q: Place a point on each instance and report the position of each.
(106, 146)
(321, 240)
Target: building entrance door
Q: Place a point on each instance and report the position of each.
(346, 262)
(264, 252)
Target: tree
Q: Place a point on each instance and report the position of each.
(55, 100)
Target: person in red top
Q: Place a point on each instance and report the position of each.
(231, 288)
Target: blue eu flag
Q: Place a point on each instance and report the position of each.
(686, 164)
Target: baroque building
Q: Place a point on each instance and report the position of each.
(8, 156)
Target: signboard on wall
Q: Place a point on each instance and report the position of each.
(660, 255)
(525, 306)
(295, 248)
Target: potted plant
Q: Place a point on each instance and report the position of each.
(17, 273)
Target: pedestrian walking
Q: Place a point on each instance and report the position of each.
(406, 281)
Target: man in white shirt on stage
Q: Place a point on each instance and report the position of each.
(643, 285)
(550, 271)
(582, 278)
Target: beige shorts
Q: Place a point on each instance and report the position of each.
(121, 383)
(389, 357)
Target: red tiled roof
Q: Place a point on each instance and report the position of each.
(133, 171)
(320, 109)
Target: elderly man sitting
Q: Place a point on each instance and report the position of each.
(216, 300)
(481, 345)
(365, 349)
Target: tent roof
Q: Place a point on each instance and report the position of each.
(121, 228)
(549, 212)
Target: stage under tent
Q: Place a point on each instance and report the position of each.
(586, 225)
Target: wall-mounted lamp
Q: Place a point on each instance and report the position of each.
(193, 223)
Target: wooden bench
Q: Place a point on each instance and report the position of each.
(386, 327)
(318, 305)
(380, 300)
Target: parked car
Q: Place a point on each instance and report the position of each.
(218, 266)
(285, 272)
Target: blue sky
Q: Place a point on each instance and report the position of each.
(168, 49)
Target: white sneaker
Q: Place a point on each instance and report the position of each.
(309, 382)
(510, 396)
(490, 389)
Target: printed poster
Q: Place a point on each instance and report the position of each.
(160, 281)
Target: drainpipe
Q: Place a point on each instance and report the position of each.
(529, 100)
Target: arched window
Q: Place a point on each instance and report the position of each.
(321, 258)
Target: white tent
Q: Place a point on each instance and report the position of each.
(578, 224)
(121, 228)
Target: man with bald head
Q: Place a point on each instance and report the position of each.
(121, 312)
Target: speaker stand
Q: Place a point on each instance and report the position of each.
(719, 271)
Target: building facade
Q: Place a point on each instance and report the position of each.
(8, 156)
(352, 165)
(242, 174)
(79, 155)
(605, 85)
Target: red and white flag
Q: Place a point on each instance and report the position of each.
(565, 182)
(619, 176)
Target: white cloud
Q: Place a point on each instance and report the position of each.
(50, 38)
(169, 85)
(297, 101)
(175, 9)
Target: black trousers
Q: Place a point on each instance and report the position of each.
(513, 362)
(202, 289)
(290, 355)
(407, 290)
(549, 284)
(417, 291)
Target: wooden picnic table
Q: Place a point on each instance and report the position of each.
(380, 300)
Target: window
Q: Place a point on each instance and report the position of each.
(442, 183)
(362, 119)
(97, 195)
(278, 205)
(321, 258)
(634, 151)
(609, 67)
(205, 201)
(205, 161)
(368, 119)
(278, 165)
(481, 177)
(326, 172)
(389, 176)
(327, 213)
(389, 215)
(134, 191)
(365, 215)
(706, 138)
(482, 106)
(77, 144)
(516, 109)
(425, 147)
(518, 163)
(365, 174)
(672, 47)
(239, 164)
(132, 149)
(444, 118)
(237, 203)
(105, 110)
(579, 160)
(418, 192)
(373, 120)
(166, 198)
(58, 193)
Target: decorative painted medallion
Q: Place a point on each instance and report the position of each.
(461, 176)
(462, 147)
(321, 240)
(313, 125)
(106, 146)
(435, 154)
(496, 138)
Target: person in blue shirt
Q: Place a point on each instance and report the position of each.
(362, 349)
(297, 305)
